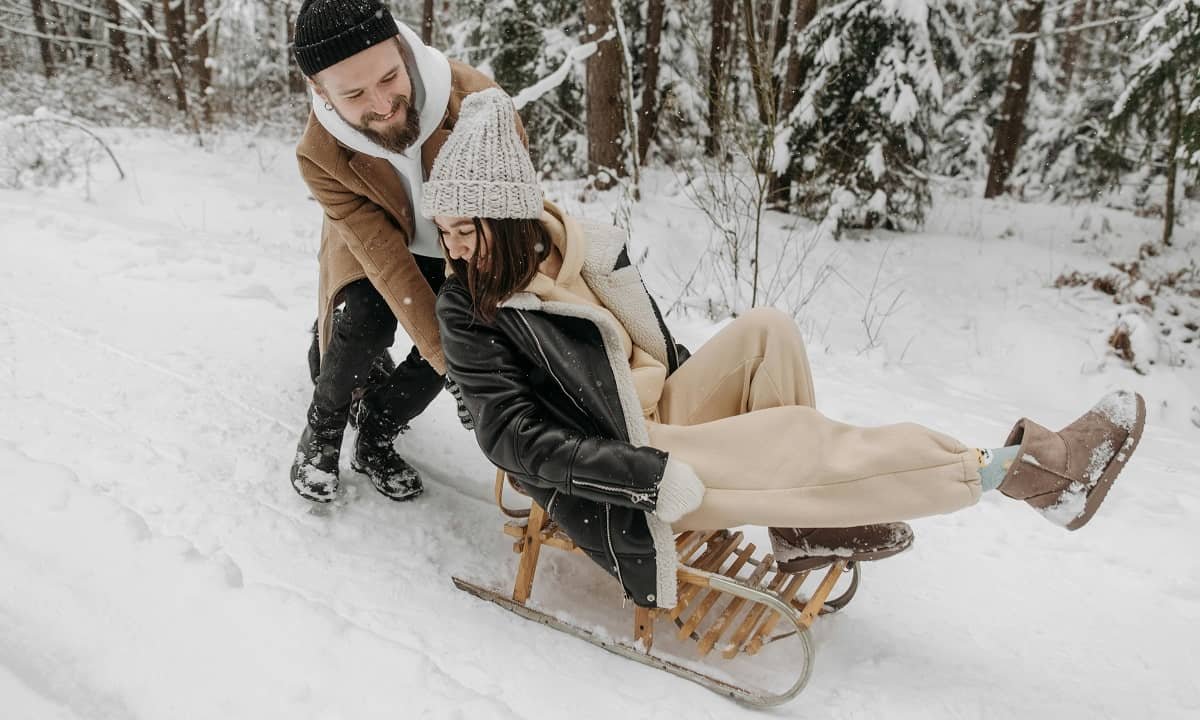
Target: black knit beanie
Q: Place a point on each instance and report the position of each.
(329, 31)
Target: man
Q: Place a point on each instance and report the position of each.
(383, 104)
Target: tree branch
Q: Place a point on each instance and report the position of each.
(53, 38)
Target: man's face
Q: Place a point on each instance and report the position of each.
(373, 93)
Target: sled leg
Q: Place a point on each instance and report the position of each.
(530, 547)
(643, 627)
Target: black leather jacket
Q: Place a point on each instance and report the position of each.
(545, 397)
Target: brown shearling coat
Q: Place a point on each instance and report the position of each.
(368, 222)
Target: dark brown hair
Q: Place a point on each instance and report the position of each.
(507, 265)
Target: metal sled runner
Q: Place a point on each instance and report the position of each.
(729, 601)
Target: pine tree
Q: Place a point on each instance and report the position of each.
(1163, 94)
(683, 102)
(860, 131)
(974, 70)
(520, 42)
(1067, 154)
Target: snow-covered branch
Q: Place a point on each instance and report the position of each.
(556, 78)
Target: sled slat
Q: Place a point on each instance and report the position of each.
(758, 639)
(813, 608)
(714, 634)
(710, 599)
(682, 538)
(711, 562)
(692, 545)
(752, 618)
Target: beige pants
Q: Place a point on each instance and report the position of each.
(741, 413)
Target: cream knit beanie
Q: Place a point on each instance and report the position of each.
(483, 170)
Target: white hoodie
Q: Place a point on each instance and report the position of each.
(431, 93)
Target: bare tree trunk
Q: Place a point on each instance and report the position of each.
(200, 54)
(783, 16)
(1176, 131)
(151, 50)
(605, 101)
(648, 125)
(176, 25)
(760, 65)
(56, 24)
(427, 23)
(719, 54)
(1011, 127)
(39, 24)
(779, 193)
(118, 56)
(1070, 51)
(84, 31)
(793, 78)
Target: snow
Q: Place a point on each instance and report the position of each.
(875, 161)
(915, 12)
(1120, 409)
(906, 106)
(156, 563)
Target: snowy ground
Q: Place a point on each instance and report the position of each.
(155, 563)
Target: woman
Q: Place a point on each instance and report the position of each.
(579, 392)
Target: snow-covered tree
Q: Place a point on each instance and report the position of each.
(1163, 94)
(682, 96)
(973, 63)
(520, 42)
(860, 131)
(1067, 153)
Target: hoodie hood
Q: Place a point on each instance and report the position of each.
(431, 94)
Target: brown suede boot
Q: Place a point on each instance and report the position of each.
(800, 550)
(1066, 474)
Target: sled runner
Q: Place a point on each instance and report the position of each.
(731, 602)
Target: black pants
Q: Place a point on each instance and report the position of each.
(363, 329)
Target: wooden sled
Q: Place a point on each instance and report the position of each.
(729, 601)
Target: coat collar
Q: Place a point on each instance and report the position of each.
(618, 286)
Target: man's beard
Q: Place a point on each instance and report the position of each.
(396, 138)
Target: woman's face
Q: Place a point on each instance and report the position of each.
(460, 238)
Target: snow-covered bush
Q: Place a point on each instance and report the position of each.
(87, 94)
(45, 150)
(1157, 318)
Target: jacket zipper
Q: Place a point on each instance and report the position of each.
(633, 495)
(608, 537)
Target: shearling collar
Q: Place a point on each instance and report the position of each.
(572, 244)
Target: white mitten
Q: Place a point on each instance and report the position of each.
(679, 493)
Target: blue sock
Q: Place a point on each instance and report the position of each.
(993, 465)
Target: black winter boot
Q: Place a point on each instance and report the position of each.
(315, 469)
(375, 456)
(382, 368)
